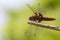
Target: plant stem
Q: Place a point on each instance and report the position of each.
(44, 25)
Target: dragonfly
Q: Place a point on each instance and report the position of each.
(38, 17)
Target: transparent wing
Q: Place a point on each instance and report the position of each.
(32, 9)
(41, 8)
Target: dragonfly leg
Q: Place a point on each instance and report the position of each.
(39, 21)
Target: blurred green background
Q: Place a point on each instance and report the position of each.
(19, 29)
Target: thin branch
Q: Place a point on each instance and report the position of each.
(44, 25)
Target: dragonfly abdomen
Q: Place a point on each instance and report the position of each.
(48, 19)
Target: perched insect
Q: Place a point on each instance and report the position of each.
(38, 16)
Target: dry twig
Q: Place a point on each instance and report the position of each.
(44, 25)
